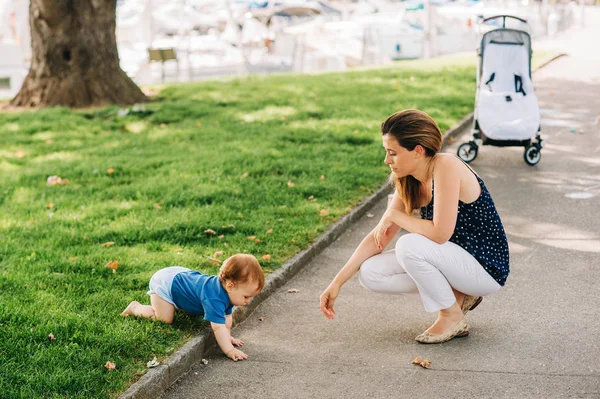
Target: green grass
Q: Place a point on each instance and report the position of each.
(178, 170)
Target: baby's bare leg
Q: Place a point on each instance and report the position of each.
(159, 310)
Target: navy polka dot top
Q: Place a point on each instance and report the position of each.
(480, 232)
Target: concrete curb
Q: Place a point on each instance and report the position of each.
(157, 380)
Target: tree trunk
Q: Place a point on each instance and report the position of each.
(75, 62)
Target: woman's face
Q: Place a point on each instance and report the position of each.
(401, 161)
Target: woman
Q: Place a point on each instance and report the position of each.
(456, 251)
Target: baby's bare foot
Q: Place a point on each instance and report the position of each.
(129, 309)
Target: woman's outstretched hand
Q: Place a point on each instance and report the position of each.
(327, 299)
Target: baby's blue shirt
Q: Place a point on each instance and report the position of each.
(201, 294)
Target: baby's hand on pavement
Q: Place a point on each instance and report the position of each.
(236, 354)
(237, 342)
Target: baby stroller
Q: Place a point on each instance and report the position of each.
(506, 108)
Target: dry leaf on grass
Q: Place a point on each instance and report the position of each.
(324, 212)
(221, 237)
(266, 257)
(210, 232)
(214, 261)
(293, 290)
(107, 244)
(110, 366)
(312, 197)
(246, 174)
(50, 206)
(110, 171)
(252, 238)
(113, 265)
(322, 177)
(270, 231)
(217, 254)
(290, 184)
(422, 362)
(157, 206)
(56, 180)
(20, 154)
(51, 337)
(152, 363)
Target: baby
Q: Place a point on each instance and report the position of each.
(239, 279)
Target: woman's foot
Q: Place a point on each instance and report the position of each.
(130, 308)
(470, 303)
(447, 318)
(461, 329)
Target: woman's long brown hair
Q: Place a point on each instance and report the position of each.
(410, 128)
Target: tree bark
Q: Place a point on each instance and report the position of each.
(75, 62)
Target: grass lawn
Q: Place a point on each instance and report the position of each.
(259, 156)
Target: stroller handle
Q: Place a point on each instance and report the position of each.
(504, 16)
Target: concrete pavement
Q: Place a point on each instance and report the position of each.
(539, 337)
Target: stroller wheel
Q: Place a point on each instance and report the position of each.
(532, 154)
(467, 151)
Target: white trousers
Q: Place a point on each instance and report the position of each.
(419, 265)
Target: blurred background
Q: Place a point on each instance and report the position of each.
(183, 40)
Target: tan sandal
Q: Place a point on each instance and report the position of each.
(459, 330)
(470, 303)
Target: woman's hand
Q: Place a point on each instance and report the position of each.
(383, 229)
(327, 299)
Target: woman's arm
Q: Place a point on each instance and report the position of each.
(445, 204)
(367, 248)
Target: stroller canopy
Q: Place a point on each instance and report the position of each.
(507, 108)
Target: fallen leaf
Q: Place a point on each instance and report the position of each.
(177, 249)
(204, 361)
(266, 257)
(370, 215)
(152, 363)
(293, 290)
(217, 254)
(110, 171)
(157, 206)
(322, 177)
(290, 184)
(425, 363)
(163, 125)
(55, 180)
(110, 366)
(355, 132)
(107, 244)
(240, 215)
(210, 232)
(73, 258)
(270, 231)
(214, 261)
(198, 124)
(221, 237)
(261, 318)
(51, 337)
(245, 175)
(49, 141)
(50, 206)
(252, 238)
(312, 197)
(324, 212)
(257, 241)
(20, 154)
(113, 265)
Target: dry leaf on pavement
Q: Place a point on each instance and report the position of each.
(422, 362)
(261, 318)
(153, 363)
(204, 361)
(293, 290)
